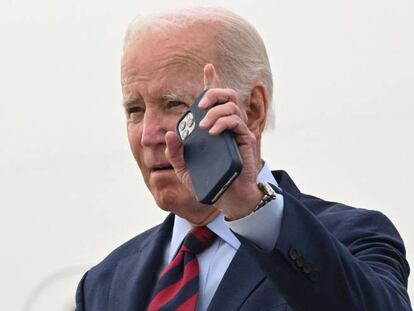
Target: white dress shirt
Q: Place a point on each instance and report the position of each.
(261, 227)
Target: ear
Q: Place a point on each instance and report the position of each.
(256, 108)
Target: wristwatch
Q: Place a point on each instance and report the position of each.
(268, 195)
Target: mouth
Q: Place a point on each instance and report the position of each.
(161, 167)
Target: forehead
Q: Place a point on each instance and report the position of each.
(170, 53)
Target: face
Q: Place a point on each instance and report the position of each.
(161, 75)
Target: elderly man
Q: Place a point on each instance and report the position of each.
(266, 247)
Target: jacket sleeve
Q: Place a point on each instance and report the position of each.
(344, 259)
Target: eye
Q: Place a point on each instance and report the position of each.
(176, 103)
(135, 113)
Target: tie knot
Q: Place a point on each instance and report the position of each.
(198, 239)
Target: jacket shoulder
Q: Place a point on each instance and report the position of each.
(94, 288)
(131, 247)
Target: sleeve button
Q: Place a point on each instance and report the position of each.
(293, 254)
(300, 262)
(307, 268)
(314, 276)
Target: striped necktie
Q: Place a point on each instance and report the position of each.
(177, 287)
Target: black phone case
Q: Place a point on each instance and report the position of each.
(212, 161)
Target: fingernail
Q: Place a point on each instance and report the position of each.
(212, 131)
(202, 123)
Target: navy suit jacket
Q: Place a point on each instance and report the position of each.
(328, 257)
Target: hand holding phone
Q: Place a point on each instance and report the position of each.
(213, 162)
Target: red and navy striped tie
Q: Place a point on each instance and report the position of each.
(177, 287)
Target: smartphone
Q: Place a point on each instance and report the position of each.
(213, 162)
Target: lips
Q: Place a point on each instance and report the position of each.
(161, 167)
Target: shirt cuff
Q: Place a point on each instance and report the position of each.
(261, 227)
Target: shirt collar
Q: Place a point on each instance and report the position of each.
(182, 227)
(265, 175)
(218, 226)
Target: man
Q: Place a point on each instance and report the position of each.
(288, 251)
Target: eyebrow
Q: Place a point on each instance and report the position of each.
(129, 103)
(176, 95)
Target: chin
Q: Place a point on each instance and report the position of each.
(182, 203)
(172, 200)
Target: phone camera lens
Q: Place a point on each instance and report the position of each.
(182, 125)
(190, 120)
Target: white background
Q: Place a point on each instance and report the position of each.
(70, 191)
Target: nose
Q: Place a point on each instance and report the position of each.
(154, 129)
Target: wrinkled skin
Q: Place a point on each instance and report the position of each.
(162, 73)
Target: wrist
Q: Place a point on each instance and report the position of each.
(246, 206)
(262, 195)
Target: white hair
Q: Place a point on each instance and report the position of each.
(240, 50)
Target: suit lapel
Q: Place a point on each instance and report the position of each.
(241, 278)
(135, 276)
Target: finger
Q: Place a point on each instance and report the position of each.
(217, 96)
(232, 122)
(229, 108)
(175, 155)
(174, 152)
(211, 78)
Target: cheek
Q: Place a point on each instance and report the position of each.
(134, 138)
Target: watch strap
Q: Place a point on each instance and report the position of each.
(269, 194)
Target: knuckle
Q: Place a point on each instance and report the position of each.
(244, 116)
(232, 93)
(233, 106)
(236, 120)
